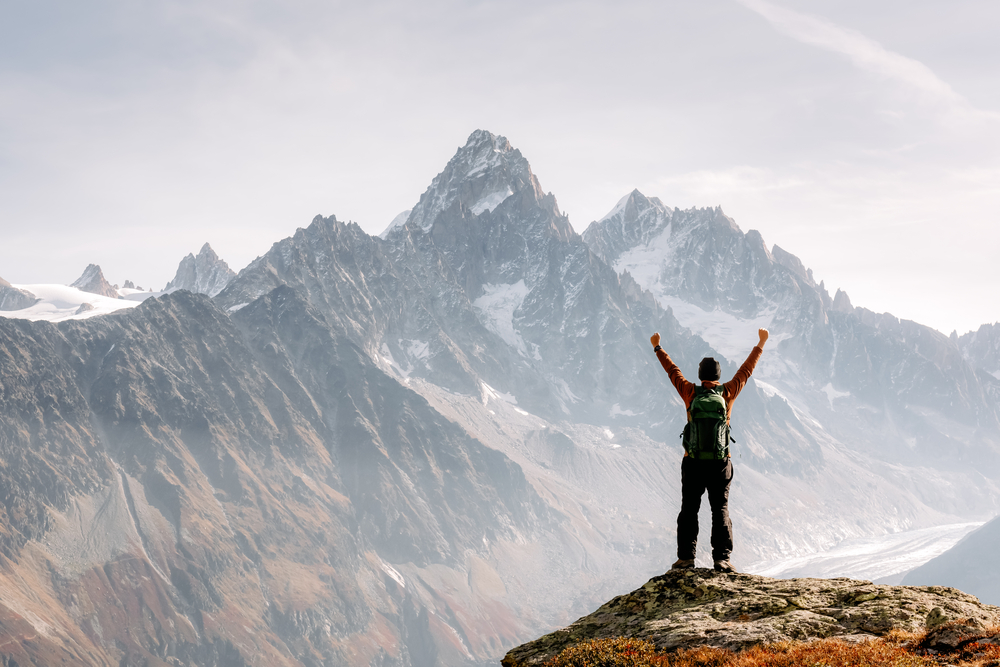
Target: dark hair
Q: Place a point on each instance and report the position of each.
(709, 369)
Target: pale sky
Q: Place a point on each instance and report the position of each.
(861, 136)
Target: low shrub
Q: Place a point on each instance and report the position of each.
(621, 652)
(616, 652)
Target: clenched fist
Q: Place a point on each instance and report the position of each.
(763, 337)
(655, 339)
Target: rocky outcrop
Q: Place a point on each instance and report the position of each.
(685, 609)
(205, 273)
(12, 298)
(92, 280)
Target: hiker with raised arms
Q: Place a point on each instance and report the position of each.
(706, 465)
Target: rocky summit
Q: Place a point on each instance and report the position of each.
(205, 273)
(689, 608)
(92, 280)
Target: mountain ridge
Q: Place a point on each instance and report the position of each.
(425, 448)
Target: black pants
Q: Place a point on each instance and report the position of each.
(697, 477)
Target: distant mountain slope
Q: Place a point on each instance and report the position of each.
(971, 565)
(900, 388)
(195, 468)
(982, 348)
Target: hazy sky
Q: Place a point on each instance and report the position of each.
(861, 136)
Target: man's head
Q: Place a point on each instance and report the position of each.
(709, 369)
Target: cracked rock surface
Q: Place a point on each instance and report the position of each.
(704, 608)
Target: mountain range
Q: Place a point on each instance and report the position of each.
(426, 447)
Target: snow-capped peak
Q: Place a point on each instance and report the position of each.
(634, 205)
(481, 176)
(635, 220)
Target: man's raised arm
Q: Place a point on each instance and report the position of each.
(735, 386)
(683, 387)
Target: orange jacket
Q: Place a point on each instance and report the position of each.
(730, 390)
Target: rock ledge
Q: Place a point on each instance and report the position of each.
(704, 608)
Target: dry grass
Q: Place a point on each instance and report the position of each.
(897, 649)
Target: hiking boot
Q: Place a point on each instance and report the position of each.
(724, 566)
(682, 564)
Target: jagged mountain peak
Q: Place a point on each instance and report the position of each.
(481, 175)
(634, 205)
(205, 273)
(637, 219)
(92, 280)
(792, 263)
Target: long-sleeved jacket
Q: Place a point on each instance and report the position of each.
(730, 390)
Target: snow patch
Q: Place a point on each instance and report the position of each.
(398, 221)
(617, 410)
(497, 306)
(385, 356)
(832, 393)
(728, 334)
(491, 201)
(488, 392)
(619, 207)
(771, 391)
(233, 309)
(416, 349)
(61, 302)
(392, 572)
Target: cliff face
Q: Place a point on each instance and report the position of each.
(735, 611)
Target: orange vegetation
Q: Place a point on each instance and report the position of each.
(897, 649)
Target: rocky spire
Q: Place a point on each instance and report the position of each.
(205, 273)
(93, 281)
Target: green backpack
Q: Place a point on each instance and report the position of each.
(706, 434)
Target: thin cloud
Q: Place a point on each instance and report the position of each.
(865, 53)
(725, 182)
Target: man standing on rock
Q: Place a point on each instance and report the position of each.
(706, 464)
